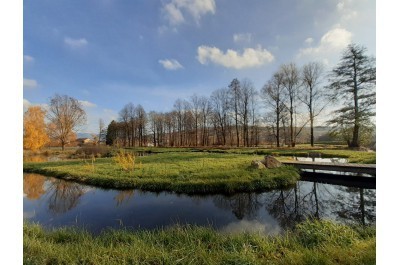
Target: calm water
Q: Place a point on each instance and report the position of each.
(53, 203)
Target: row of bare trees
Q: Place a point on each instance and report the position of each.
(228, 117)
(231, 116)
(289, 89)
(293, 98)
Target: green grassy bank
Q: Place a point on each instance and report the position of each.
(183, 172)
(353, 156)
(310, 243)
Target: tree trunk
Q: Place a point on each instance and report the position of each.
(277, 129)
(292, 141)
(356, 130)
(312, 131)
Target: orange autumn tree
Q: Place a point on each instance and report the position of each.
(35, 136)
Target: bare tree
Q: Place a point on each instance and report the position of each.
(141, 119)
(179, 110)
(195, 101)
(65, 114)
(247, 93)
(205, 110)
(235, 95)
(254, 117)
(313, 96)
(220, 108)
(274, 96)
(291, 81)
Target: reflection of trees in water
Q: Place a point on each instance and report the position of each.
(242, 204)
(124, 195)
(314, 200)
(33, 186)
(361, 207)
(289, 206)
(64, 196)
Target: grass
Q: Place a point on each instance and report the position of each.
(327, 151)
(182, 172)
(311, 242)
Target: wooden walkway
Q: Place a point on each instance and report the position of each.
(342, 180)
(339, 167)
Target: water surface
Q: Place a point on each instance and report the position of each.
(53, 203)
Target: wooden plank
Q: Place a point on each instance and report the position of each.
(343, 180)
(342, 167)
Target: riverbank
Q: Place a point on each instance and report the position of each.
(312, 242)
(326, 151)
(182, 172)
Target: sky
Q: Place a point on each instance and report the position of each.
(88, 48)
(108, 53)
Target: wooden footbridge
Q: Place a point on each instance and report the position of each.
(337, 173)
(337, 167)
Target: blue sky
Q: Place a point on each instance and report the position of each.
(107, 53)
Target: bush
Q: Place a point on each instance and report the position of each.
(125, 160)
(93, 150)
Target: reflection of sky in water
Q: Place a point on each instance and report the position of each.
(253, 226)
(28, 215)
(325, 160)
(336, 160)
(54, 203)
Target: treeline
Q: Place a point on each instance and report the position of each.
(231, 116)
(227, 117)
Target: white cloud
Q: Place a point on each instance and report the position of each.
(232, 59)
(195, 8)
(333, 41)
(242, 37)
(30, 83)
(170, 64)
(173, 13)
(26, 104)
(340, 6)
(87, 104)
(28, 58)
(75, 43)
(309, 40)
(345, 9)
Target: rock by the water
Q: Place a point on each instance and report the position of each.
(257, 164)
(271, 162)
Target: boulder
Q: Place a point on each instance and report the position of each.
(257, 164)
(271, 162)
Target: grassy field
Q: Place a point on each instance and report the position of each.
(312, 242)
(327, 151)
(182, 172)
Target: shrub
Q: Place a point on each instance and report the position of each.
(125, 160)
(93, 150)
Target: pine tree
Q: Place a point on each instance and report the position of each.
(353, 81)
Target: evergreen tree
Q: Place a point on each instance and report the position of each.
(353, 81)
(112, 133)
